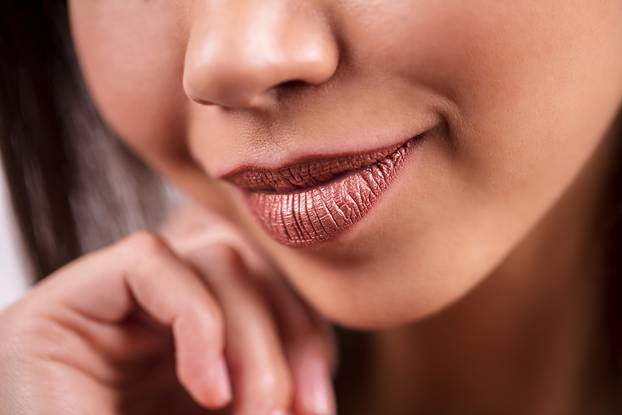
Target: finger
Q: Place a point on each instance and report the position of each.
(261, 378)
(143, 273)
(310, 347)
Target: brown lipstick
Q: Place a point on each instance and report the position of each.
(319, 198)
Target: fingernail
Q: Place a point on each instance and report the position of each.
(280, 412)
(221, 379)
(317, 390)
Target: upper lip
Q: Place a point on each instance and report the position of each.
(307, 171)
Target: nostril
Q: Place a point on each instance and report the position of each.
(289, 87)
(291, 84)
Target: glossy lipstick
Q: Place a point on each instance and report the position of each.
(317, 199)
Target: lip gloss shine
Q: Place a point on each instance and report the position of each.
(313, 201)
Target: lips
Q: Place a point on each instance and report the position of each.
(318, 199)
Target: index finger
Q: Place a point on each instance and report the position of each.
(143, 273)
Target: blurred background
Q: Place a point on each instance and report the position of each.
(13, 262)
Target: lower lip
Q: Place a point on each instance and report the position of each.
(323, 212)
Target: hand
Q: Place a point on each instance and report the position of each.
(181, 324)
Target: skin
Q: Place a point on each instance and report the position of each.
(527, 93)
(523, 98)
(181, 321)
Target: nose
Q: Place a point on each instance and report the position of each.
(240, 52)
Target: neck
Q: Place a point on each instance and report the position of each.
(526, 340)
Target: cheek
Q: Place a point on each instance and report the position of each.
(534, 85)
(529, 80)
(132, 63)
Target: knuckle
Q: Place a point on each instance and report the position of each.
(144, 242)
(212, 318)
(273, 386)
(143, 250)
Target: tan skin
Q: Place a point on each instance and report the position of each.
(475, 310)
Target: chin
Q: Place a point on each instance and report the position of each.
(382, 294)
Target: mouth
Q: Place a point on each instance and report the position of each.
(317, 199)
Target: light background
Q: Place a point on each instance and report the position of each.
(15, 274)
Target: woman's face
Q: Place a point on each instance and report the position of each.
(259, 107)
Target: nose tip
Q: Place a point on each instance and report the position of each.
(240, 62)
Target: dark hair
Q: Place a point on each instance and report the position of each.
(65, 167)
(74, 186)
